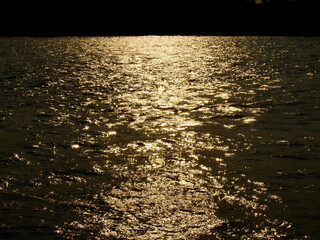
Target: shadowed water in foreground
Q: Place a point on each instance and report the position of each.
(159, 138)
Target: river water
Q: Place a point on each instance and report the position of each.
(171, 137)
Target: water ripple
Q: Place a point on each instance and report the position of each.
(159, 138)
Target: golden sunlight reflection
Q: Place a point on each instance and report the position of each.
(171, 128)
(75, 146)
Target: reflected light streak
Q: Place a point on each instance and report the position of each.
(170, 131)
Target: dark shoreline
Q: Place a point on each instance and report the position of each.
(155, 34)
(175, 17)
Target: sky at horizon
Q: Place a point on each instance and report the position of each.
(20, 17)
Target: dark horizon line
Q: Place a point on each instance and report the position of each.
(157, 34)
(183, 30)
(247, 19)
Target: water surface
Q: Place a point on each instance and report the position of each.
(159, 138)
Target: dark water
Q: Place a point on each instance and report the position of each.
(160, 138)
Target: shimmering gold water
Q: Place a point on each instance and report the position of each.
(159, 138)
